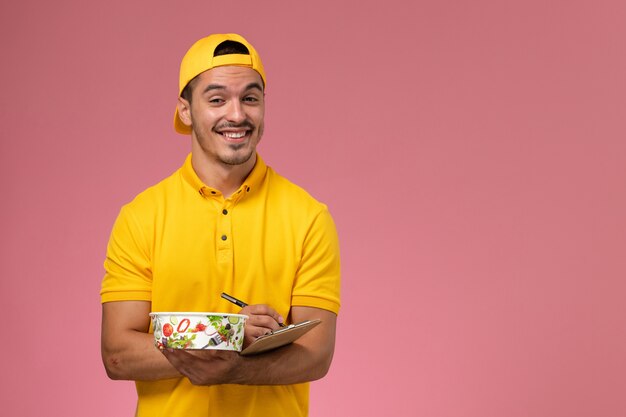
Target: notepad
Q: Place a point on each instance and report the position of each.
(280, 337)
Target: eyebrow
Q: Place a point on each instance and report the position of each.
(254, 85)
(250, 86)
(213, 87)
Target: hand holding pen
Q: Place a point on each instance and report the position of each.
(268, 310)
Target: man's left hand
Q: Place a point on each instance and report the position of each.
(205, 367)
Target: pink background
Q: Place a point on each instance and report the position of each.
(473, 155)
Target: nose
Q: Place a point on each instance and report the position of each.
(235, 112)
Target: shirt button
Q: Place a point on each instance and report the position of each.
(224, 237)
(224, 212)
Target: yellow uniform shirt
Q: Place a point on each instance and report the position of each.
(180, 244)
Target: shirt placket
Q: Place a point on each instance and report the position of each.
(224, 234)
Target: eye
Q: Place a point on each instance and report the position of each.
(216, 100)
(251, 99)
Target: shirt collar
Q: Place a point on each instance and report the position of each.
(252, 182)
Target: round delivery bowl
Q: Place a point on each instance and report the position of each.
(179, 330)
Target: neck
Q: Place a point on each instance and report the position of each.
(223, 177)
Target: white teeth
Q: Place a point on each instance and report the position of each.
(234, 135)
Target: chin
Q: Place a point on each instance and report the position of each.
(237, 158)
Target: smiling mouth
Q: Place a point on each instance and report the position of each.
(234, 135)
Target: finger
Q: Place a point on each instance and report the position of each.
(179, 358)
(255, 332)
(266, 322)
(261, 310)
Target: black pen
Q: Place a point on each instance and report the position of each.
(240, 303)
(234, 300)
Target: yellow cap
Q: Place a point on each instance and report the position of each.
(200, 57)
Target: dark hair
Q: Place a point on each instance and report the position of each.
(224, 48)
(231, 47)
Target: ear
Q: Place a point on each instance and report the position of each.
(184, 111)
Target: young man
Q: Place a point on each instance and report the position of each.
(224, 222)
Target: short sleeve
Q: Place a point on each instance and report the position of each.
(317, 282)
(128, 266)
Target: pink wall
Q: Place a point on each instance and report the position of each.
(473, 155)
